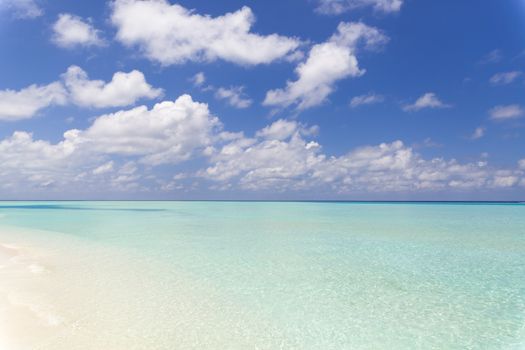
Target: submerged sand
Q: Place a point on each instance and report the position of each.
(6, 253)
(57, 292)
(65, 293)
(263, 275)
(24, 323)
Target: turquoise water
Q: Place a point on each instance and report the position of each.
(270, 275)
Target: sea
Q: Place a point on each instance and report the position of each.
(112, 275)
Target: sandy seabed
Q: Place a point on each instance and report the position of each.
(59, 292)
(24, 321)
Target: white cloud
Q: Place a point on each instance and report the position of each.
(70, 31)
(25, 103)
(265, 162)
(504, 179)
(170, 132)
(22, 8)
(20, 147)
(172, 34)
(478, 133)
(500, 113)
(126, 146)
(367, 99)
(28, 163)
(287, 161)
(339, 6)
(505, 77)
(104, 168)
(279, 130)
(494, 56)
(326, 64)
(124, 89)
(428, 100)
(198, 79)
(235, 96)
(283, 129)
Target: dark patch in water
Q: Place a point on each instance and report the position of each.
(67, 207)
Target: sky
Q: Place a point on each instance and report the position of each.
(299, 99)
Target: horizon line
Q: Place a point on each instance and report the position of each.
(268, 200)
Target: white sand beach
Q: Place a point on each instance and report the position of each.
(6, 254)
(64, 293)
(25, 320)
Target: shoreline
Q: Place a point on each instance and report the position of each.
(7, 252)
(60, 292)
(30, 265)
(22, 319)
(114, 277)
(94, 296)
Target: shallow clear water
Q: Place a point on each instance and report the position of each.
(261, 275)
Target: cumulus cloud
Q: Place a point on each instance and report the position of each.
(493, 56)
(503, 179)
(22, 8)
(20, 147)
(367, 99)
(283, 129)
(506, 112)
(25, 103)
(75, 87)
(120, 151)
(335, 7)
(124, 89)
(257, 164)
(235, 96)
(265, 162)
(326, 64)
(70, 31)
(170, 132)
(478, 133)
(171, 34)
(428, 100)
(35, 163)
(505, 78)
(198, 79)
(33, 167)
(104, 168)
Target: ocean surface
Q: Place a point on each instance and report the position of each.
(261, 275)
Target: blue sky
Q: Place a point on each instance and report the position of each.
(303, 99)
